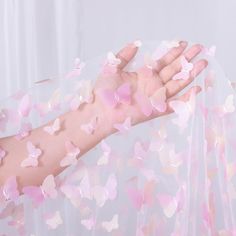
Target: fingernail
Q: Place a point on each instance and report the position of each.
(183, 43)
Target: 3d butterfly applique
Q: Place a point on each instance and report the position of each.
(90, 127)
(103, 193)
(228, 106)
(53, 220)
(156, 102)
(78, 66)
(3, 119)
(89, 223)
(185, 70)
(9, 190)
(24, 131)
(211, 51)
(71, 156)
(121, 95)
(106, 149)
(2, 154)
(209, 81)
(110, 65)
(123, 127)
(25, 106)
(111, 225)
(45, 191)
(54, 128)
(33, 155)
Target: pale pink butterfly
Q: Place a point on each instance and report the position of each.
(211, 51)
(53, 220)
(185, 70)
(78, 66)
(110, 65)
(228, 106)
(209, 80)
(3, 119)
(108, 192)
(71, 156)
(73, 193)
(33, 155)
(24, 131)
(89, 223)
(90, 127)
(113, 97)
(54, 128)
(111, 225)
(184, 110)
(140, 150)
(44, 191)
(10, 190)
(2, 154)
(104, 159)
(25, 106)
(124, 126)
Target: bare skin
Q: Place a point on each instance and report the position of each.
(54, 146)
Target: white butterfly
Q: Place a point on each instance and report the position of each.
(103, 160)
(90, 127)
(54, 220)
(55, 127)
(112, 224)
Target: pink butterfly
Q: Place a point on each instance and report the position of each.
(33, 155)
(54, 128)
(210, 51)
(10, 189)
(71, 156)
(168, 203)
(24, 131)
(2, 155)
(113, 97)
(3, 119)
(184, 110)
(123, 127)
(110, 65)
(185, 71)
(111, 225)
(89, 223)
(90, 127)
(209, 80)
(140, 150)
(157, 101)
(103, 160)
(53, 220)
(25, 106)
(78, 66)
(108, 192)
(39, 194)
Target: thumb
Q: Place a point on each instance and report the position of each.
(127, 53)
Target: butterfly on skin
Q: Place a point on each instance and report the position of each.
(185, 70)
(9, 191)
(103, 193)
(33, 155)
(71, 156)
(24, 131)
(78, 66)
(110, 65)
(2, 154)
(54, 128)
(44, 191)
(106, 149)
(124, 126)
(89, 223)
(53, 220)
(90, 127)
(157, 101)
(121, 95)
(111, 225)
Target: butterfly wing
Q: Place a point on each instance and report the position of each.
(124, 93)
(10, 189)
(49, 187)
(158, 100)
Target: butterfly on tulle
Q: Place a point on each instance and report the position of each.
(89, 223)
(24, 131)
(184, 110)
(110, 65)
(91, 126)
(124, 126)
(186, 68)
(53, 220)
(9, 191)
(33, 155)
(155, 102)
(113, 97)
(106, 149)
(44, 191)
(25, 106)
(2, 154)
(227, 107)
(111, 225)
(54, 128)
(71, 155)
(78, 66)
(211, 51)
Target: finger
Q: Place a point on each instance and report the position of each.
(175, 86)
(126, 54)
(169, 71)
(170, 56)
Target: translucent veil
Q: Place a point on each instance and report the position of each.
(155, 179)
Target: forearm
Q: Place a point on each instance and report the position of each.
(52, 146)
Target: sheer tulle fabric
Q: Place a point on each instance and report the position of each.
(174, 175)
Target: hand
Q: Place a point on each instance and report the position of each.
(143, 82)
